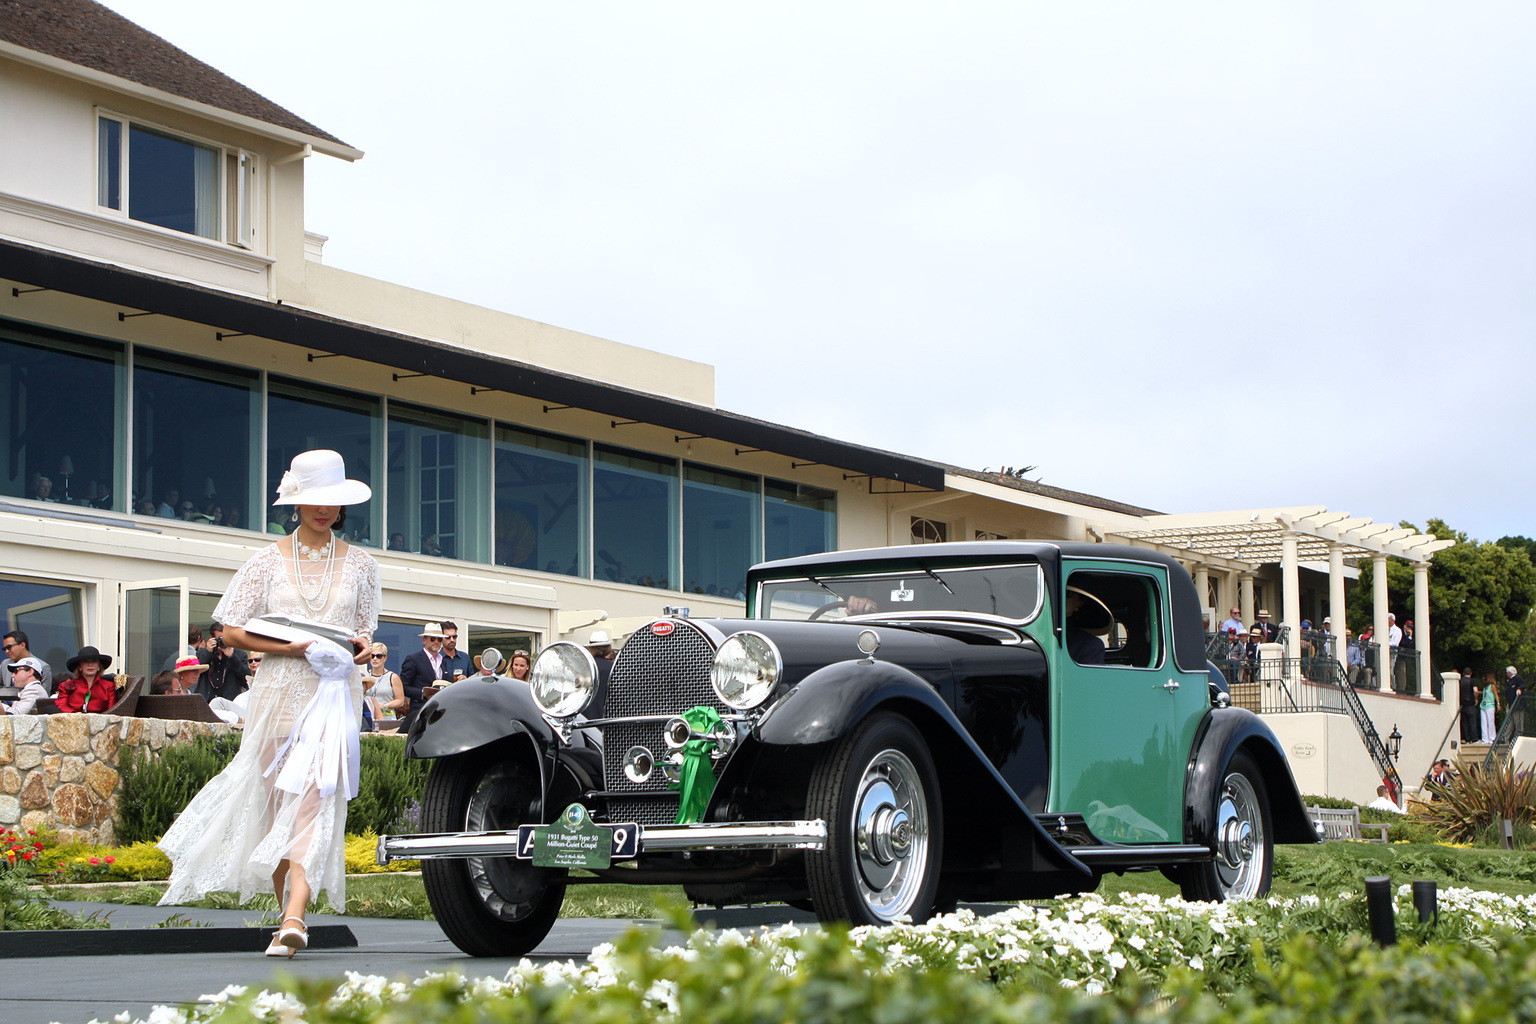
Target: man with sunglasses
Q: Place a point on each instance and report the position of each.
(456, 663)
(421, 669)
(15, 650)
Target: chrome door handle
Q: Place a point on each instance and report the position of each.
(1171, 685)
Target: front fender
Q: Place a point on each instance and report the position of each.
(830, 701)
(1223, 733)
(469, 714)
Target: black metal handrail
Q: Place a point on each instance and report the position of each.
(1512, 728)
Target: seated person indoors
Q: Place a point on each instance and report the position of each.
(1084, 618)
(87, 689)
(25, 675)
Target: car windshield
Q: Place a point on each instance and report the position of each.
(1008, 591)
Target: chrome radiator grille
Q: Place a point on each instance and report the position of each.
(653, 675)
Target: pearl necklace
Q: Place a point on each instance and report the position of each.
(315, 595)
(314, 554)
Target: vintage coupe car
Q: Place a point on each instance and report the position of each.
(888, 732)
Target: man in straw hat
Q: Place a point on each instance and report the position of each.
(421, 669)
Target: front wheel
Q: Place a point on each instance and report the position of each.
(877, 790)
(488, 906)
(1245, 848)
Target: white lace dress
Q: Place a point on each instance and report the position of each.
(237, 829)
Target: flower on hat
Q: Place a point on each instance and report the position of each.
(288, 486)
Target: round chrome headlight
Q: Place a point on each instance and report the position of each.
(562, 679)
(747, 667)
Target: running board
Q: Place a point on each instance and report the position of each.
(1139, 856)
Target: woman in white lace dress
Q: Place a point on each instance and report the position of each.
(277, 814)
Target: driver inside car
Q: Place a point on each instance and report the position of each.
(1085, 618)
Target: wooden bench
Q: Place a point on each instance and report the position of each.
(1345, 823)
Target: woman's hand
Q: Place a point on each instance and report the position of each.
(362, 642)
(295, 648)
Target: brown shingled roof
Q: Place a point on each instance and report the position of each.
(88, 34)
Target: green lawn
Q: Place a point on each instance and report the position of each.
(1298, 870)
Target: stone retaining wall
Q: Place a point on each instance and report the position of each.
(61, 771)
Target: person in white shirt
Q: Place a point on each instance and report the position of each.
(1234, 622)
(1384, 802)
(26, 675)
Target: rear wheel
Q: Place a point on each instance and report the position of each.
(487, 906)
(1245, 849)
(877, 790)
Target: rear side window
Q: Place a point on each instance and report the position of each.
(1113, 618)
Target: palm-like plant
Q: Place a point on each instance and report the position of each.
(1467, 808)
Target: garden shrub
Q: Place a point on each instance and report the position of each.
(362, 856)
(156, 786)
(388, 783)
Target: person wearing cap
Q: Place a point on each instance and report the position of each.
(277, 815)
(422, 669)
(26, 676)
(87, 689)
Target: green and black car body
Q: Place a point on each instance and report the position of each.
(885, 733)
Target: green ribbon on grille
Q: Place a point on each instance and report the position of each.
(697, 777)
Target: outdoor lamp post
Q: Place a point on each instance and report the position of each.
(1394, 742)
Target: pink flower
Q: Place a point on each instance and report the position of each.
(111, 860)
(95, 860)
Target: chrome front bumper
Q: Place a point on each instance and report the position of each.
(742, 835)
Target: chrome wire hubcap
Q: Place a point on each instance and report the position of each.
(1239, 838)
(890, 834)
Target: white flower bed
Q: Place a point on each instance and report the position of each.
(1082, 942)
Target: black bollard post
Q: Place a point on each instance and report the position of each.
(1425, 901)
(1378, 904)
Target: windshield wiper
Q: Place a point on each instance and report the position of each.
(823, 586)
(937, 579)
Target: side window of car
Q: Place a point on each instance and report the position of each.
(1113, 618)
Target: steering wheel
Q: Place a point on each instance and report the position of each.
(830, 606)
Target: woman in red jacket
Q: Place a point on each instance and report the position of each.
(87, 690)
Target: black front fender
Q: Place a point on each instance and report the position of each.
(469, 714)
(1222, 734)
(830, 701)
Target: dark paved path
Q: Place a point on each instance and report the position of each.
(39, 990)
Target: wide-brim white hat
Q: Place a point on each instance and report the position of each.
(320, 478)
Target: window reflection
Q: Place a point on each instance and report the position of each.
(801, 520)
(634, 518)
(194, 431)
(438, 488)
(722, 527)
(301, 418)
(59, 420)
(51, 617)
(541, 502)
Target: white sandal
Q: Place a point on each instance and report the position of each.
(276, 948)
(290, 939)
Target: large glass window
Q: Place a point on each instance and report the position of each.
(541, 502)
(722, 530)
(194, 438)
(634, 518)
(59, 421)
(439, 468)
(171, 182)
(301, 418)
(801, 520)
(50, 615)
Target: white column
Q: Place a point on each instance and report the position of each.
(1290, 579)
(1337, 593)
(1421, 626)
(1245, 598)
(1203, 588)
(1379, 622)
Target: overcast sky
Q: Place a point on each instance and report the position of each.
(1191, 257)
